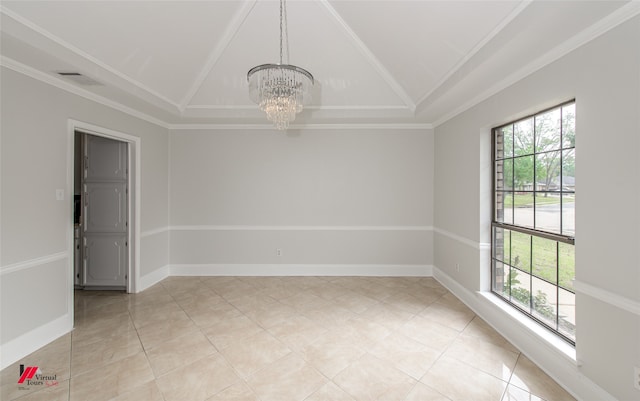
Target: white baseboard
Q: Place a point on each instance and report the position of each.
(152, 278)
(16, 349)
(300, 270)
(551, 354)
(257, 270)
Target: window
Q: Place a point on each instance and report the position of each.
(533, 226)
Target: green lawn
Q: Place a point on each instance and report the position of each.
(522, 200)
(545, 253)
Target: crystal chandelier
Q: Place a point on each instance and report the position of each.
(280, 90)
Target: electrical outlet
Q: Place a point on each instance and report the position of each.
(278, 252)
(636, 377)
(457, 267)
(59, 194)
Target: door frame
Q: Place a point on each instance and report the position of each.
(133, 200)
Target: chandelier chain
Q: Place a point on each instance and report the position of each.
(284, 33)
(281, 31)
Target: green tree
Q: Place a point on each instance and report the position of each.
(536, 145)
(523, 151)
(554, 130)
(569, 140)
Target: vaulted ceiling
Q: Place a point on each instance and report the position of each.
(375, 62)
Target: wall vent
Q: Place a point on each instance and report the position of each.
(78, 78)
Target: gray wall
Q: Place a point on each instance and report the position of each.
(35, 252)
(324, 197)
(338, 198)
(604, 78)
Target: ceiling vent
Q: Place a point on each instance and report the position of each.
(78, 78)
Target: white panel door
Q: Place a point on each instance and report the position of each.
(105, 207)
(106, 260)
(105, 159)
(105, 226)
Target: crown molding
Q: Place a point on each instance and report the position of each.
(298, 228)
(68, 87)
(601, 27)
(80, 53)
(229, 33)
(623, 14)
(310, 107)
(373, 60)
(293, 127)
(359, 107)
(513, 14)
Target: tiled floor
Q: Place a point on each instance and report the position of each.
(289, 338)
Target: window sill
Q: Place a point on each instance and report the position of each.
(533, 328)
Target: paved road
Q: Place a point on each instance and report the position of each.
(548, 217)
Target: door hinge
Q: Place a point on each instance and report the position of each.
(126, 243)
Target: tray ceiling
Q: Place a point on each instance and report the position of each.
(375, 62)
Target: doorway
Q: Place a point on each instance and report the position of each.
(101, 226)
(104, 173)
